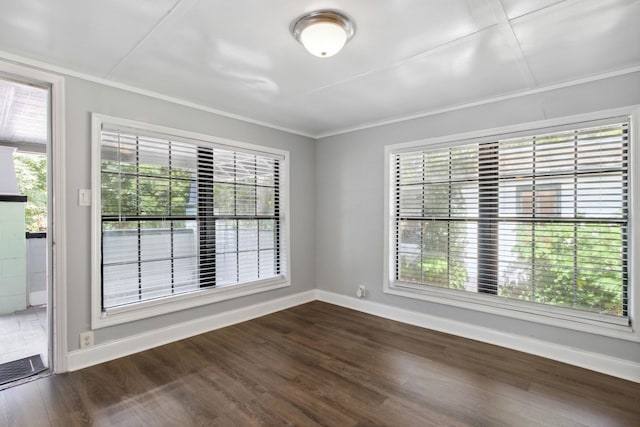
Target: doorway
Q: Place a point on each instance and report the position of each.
(25, 279)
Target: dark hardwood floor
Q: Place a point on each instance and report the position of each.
(319, 364)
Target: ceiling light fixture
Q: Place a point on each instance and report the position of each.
(324, 32)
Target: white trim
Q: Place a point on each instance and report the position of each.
(317, 136)
(100, 353)
(513, 95)
(98, 120)
(143, 310)
(175, 303)
(634, 218)
(57, 221)
(83, 358)
(515, 309)
(520, 127)
(593, 361)
(522, 310)
(110, 83)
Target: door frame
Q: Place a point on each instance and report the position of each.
(56, 211)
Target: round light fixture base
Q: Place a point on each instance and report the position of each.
(323, 32)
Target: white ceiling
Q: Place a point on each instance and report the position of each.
(408, 57)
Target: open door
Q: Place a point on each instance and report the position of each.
(25, 282)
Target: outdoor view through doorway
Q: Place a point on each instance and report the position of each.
(24, 248)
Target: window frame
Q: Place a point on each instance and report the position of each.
(522, 310)
(205, 295)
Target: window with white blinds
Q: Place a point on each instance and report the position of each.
(540, 218)
(179, 216)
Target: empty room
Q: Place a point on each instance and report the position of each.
(319, 213)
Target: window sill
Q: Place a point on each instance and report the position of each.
(156, 307)
(521, 310)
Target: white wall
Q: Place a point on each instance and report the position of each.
(349, 199)
(83, 98)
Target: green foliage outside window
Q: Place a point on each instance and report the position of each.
(31, 173)
(158, 191)
(436, 249)
(577, 266)
(163, 191)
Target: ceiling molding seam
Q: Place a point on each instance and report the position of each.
(145, 37)
(541, 89)
(523, 63)
(43, 66)
(538, 11)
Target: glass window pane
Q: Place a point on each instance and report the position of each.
(246, 203)
(436, 200)
(435, 261)
(224, 199)
(185, 275)
(410, 251)
(226, 236)
(266, 201)
(248, 235)
(119, 242)
(248, 266)
(155, 279)
(267, 234)
(267, 263)
(601, 272)
(464, 163)
(226, 268)
(224, 166)
(266, 170)
(464, 199)
(120, 284)
(245, 168)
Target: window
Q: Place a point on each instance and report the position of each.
(535, 222)
(179, 216)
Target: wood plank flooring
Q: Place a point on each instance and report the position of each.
(322, 365)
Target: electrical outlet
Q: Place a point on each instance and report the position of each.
(362, 291)
(86, 339)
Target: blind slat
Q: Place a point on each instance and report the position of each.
(539, 218)
(178, 215)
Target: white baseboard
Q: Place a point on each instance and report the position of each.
(596, 362)
(38, 298)
(100, 353)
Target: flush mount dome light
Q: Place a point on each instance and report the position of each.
(324, 32)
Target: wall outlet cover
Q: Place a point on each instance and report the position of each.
(86, 339)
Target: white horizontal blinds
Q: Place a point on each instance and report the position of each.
(177, 216)
(540, 218)
(149, 244)
(437, 216)
(239, 216)
(563, 207)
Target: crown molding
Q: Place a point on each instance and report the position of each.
(512, 95)
(21, 60)
(44, 66)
